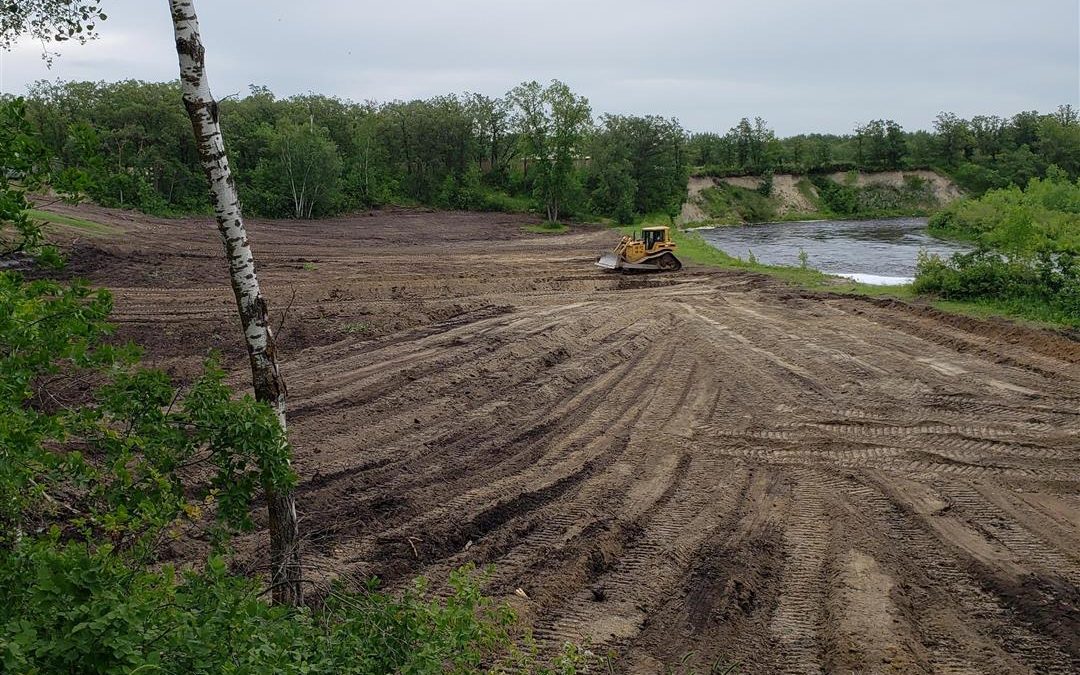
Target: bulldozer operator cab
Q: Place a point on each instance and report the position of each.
(653, 237)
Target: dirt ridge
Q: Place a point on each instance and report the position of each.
(709, 466)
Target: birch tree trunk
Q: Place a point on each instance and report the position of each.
(285, 571)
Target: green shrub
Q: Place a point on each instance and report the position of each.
(467, 192)
(1045, 216)
(69, 609)
(733, 204)
(875, 200)
(839, 199)
(1029, 247)
(1045, 286)
(496, 200)
(90, 491)
(766, 187)
(977, 179)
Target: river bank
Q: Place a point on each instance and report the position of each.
(881, 251)
(737, 200)
(694, 249)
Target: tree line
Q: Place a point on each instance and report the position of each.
(539, 147)
(982, 153)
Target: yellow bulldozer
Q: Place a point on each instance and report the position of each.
(652, 251)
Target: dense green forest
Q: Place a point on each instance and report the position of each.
(981, 153)
(129, 144)
(536, 148)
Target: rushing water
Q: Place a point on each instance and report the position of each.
(875, 251)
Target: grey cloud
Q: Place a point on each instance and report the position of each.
(804, 66)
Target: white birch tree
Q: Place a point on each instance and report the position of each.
(285, 570)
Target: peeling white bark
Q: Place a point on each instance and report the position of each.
(285, 574)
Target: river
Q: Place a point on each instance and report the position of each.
(873, 251)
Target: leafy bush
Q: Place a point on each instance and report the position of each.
(915, 195)
(973, 275)
(730, 203)
(1045, 286)
(22, 166)
(1044, 217)
(90, 488)
(467, 192)
(977, 179)
(766, 187)
(90, 612)
(839, 199)
(1029, 247)
(888, 199)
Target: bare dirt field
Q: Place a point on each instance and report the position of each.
(707, 465)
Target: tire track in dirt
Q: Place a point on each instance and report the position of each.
(613, 610)
(1028, 548)
(565, 444)
(438, 397)
(720, 616)
(670, 491)
(692, 469)
(927, 539)
(796, 624)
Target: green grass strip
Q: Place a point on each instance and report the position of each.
(78, 223)
(692, 248)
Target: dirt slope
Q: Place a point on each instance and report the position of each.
(703, 463)
(944, 189)
(785, 190)
(790, 199)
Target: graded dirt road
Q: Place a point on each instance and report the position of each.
(704, 466)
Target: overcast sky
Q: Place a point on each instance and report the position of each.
(804, 65)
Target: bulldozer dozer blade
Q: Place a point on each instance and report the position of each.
(663, 262)
(608, 261)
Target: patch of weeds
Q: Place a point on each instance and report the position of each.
(357, 328)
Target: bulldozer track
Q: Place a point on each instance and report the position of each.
(685, 469)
